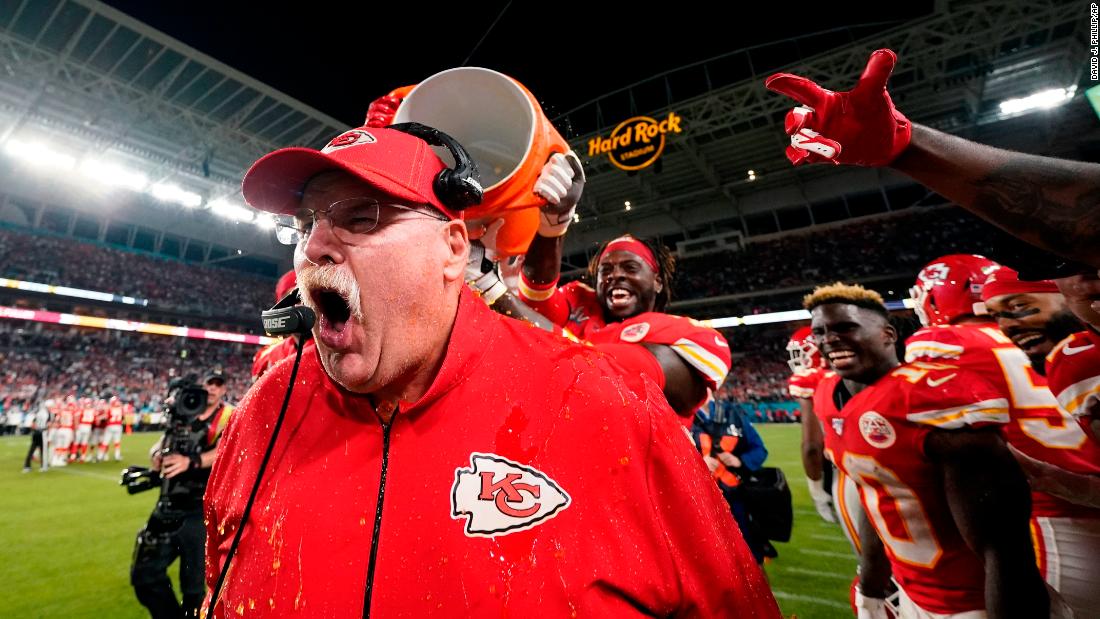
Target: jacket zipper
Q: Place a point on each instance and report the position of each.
(377, 517)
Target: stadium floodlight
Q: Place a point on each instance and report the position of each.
(1045, 99)
(229, 210)
(114, 175)
(38, 154)
(265, 222)
(167, 192)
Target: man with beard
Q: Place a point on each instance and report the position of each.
(945, 502)
(624, 315)
(958, 330)
(1032, 314)
(437, 459)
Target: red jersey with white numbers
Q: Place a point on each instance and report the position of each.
(87, 415)
(1039, 427)
(877, 439)
(114, 415)
(803, 383)
(1073, 373)
(67, 417)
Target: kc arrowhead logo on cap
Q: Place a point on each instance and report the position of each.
(497, 496)
(349, 138)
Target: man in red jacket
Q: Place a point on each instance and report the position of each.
(438, 459)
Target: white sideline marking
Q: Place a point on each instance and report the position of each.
(833, 537)
(826, 553)
(783, 595)
(815, 573)
(65, 469)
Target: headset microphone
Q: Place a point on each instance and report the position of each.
(288, 318)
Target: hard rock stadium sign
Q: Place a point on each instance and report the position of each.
(636, 142)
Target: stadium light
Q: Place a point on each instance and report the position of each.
(114, 175)
(38, 154)
(229, 210)
(1045, 99)
(265, 222)
(166, 192)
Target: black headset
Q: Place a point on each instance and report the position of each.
(458, 188)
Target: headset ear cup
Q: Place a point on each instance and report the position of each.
(455, 191)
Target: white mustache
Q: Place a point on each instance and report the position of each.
(334, 278)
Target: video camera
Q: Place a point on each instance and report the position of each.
(186, 400)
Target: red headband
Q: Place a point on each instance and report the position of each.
(634, 246)
(1007, 281)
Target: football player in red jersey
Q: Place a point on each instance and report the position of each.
(624, 316)
(946, 503)
(1033, 314)
(960, 330)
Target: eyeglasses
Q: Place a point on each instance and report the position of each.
(351, 219)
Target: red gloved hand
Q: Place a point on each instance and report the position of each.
(381, 110)
(858, 127)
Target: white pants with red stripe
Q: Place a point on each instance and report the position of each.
(1068, 550)
(83, 433)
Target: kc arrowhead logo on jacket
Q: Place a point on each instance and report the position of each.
(497, 496)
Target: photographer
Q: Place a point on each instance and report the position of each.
(181, 462)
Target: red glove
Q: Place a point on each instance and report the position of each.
(858, 127)
(381, 110)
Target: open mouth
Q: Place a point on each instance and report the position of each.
(334, 316)
(620, 298)
(841, 359)
(1028, 340)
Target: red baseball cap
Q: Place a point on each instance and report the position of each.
(1007, 281)
(389, 160)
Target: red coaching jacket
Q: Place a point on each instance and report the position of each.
(532, 479)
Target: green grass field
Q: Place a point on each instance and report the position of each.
(66, 537)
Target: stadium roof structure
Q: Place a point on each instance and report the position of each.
(95, 81)
(82, 66)
(955, 67)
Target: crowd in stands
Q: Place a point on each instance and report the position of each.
(40, 361)
(902, 243)
(197, 289)
(893, 244)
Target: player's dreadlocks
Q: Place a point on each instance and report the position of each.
(666, 268)
(851, 294)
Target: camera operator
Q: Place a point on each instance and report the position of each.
(181, 462)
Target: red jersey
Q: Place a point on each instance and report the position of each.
(1073, 372)
(67, 417)
(701, 347)
(87, 415)
(114, 414)
(268, 356)
(573, 306)
(803, 383)
(1039, 428)
(576, 309)
(877, 439)
(519, 505)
